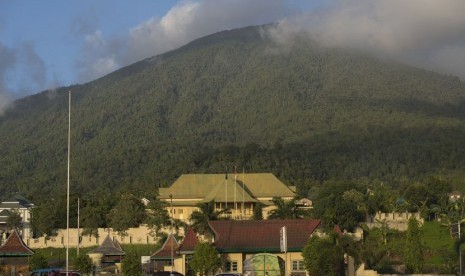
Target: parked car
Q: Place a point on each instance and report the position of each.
(53, 272)
(166, 273)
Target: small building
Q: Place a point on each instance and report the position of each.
(238, 194)
(243, 243)
(17, 204)
(108, 254)
(14, 253)
(164, 258)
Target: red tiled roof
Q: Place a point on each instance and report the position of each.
(261, 235)
(189, 242)
(165, 250)
(14, 246)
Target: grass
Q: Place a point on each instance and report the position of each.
(436, 236)
(439, 245)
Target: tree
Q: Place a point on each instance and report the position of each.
(413, 250)
(83, 263)
(44, 221)
(37, 261)
(91, 220)
(201, 217)
(206, 259)
(285, 209)
(417, 196)
(129, 212)
(158, 216)
(257, 211)
(131, 264)
(323, 257)
(347, 215)
(14, 221)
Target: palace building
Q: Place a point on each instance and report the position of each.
(238, 193)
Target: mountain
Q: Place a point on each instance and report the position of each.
(237, 98)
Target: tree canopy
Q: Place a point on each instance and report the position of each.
(206, 260)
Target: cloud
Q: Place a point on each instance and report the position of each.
(425, 33)
(8, 58)
(21, 71)
(185, 22)
(96, 58)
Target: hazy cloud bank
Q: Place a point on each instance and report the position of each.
(22, 66)
(183, 23)
(425, 33)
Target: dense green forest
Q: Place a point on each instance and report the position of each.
(302, 111)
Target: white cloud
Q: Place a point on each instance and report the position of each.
(94, 40)
(425, 33)
(185, 22)
(420, 32)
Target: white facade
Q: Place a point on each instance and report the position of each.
(22, 206)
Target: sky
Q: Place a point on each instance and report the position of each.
(52, 43)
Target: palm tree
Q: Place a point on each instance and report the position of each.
(285, 209)
(200, 218)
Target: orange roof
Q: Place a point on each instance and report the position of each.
(165, 250)
(14, 246)
(261, 235)
(189, 242)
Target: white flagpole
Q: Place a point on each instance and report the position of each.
(79, 240)
(67, 194)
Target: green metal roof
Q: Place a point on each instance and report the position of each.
(229, 192)
(206, 187)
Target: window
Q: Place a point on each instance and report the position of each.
(231, 266)
(298, 265)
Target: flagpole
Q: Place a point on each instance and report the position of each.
(243, 192)
(235, 188)
(67, 194)
(79, 238)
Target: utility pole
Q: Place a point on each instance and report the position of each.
(460, 250)
(172, 238)
(78, 237)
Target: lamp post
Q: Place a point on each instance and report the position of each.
(172, 238)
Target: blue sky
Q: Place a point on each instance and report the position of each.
(51, 43)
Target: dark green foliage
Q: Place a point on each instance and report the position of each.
(206, 260)
(323, 257)
(37, 261)
(414, 247)
(202, 216)
(157, 216)
(14, 221)
(285, 209)
(129, 212)
(336, 209)
(306, 113)
(131, 265)
(257, 212)
(44, 220)
(83, 263)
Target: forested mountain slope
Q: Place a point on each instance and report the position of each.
(302, 111)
